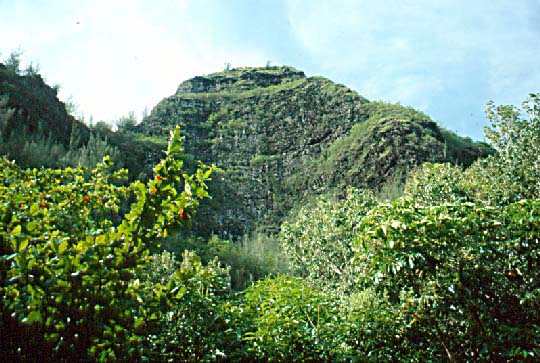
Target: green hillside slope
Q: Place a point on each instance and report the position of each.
(36, 130)
(281, 137)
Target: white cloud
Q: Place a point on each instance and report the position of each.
(428, 54)
(408, 90)
(119, 56)
(390, 46)
(114, 57)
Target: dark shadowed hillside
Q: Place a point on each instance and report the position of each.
(37, 130)
(30, 112)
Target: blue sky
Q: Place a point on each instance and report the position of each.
(445, 58)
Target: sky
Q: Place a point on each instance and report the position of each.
(445, 58)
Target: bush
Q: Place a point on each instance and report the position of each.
(287, 319)
(180, 310)
(318, 241)
(69, 263)
(472, 271)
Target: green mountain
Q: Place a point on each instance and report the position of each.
(279, 136)
(37, 130)
(282, 137)
(34, 108)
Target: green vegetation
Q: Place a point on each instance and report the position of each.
(37, 130)
(282, 138)
(319, 239)
(70, 264)
(279, 136)
(430, 262)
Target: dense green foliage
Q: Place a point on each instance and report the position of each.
(184, 324)
(69, 262)
(290, 320)
(472, 272)
(319, 240)
(449, 271)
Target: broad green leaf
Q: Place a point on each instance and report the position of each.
(23, 245)
(34, 209)
(17, 230)
(31, 226)
(33, 317)
(62, 247)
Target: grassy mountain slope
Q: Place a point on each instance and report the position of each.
(281, 137)
(36, 130)
(37, 109)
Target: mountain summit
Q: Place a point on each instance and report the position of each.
(280, 137)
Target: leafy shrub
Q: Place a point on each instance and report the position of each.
(68, 262)
(318, 241)
(433, 184)
(473, 272)
(180, 308)
(287, 319)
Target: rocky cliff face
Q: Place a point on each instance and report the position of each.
(280, 137)
(239, 80)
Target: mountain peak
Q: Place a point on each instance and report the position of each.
(281, 137)
(240, 79)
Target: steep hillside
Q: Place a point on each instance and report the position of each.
(36, 130)
(36, 108)
(281, 137)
